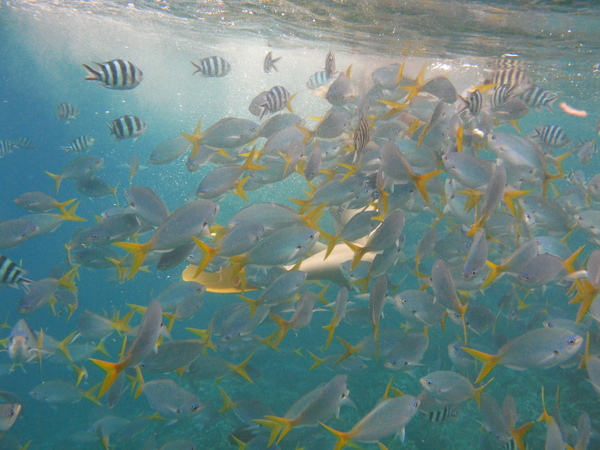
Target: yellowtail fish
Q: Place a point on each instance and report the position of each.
(170, 400)
(384, 236)
(450, 387)
(389, 417)
(37, 201)
(169, 150)
(148, 333)
(9, 412)
(541, 348)
(81, 167)
(341, 302)
(191, 219)
(313, 407)
(59, 392)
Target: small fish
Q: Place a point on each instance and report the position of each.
(59, 392)
(269, 63)
(6, 147)
(419, 305)
(84, 166)
(127, 127)
(8, 415)
(340, 91)
(147, 205)
(115, 74)
(95, 187)
(450, 387)
(389, 417)
(23, 345)
(14, 232)
(361, 138)
(213, 67)
(500, 94)
(539, 348)
(24, 142)
(313, 407)
(67, 112)
(277, 99)
(170, 400)
(169, 150)
(474, 102)
(80, 144)
(148, 333)
(12, 274)
(512, 77)
(191, 219)
(442, 415)
(552, 136)
(317, 80)
(330, 64)
(537, 98)
(37, 201)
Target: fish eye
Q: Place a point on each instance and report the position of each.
(571, 340)
(132, 204)
(195, 407)
(429, 382)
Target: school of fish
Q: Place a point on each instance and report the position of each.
(434, 239)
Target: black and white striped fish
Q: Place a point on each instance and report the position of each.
(552, 136)
(537, 98)
(80, 144)
(127, 127)
(277, 99)
(67, 112)
(474, 102)
(512, 77)
(115, 74)
(12, 274)
(6, 147)
(24, 142)
(213, 66)
(362, 134)
(441, 415)
(330, 64)
(317, 80)
(500, 94)
(269, 63)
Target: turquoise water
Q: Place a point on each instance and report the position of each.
(43, 45)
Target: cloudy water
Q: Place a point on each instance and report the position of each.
(325, 198)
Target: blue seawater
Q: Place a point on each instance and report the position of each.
(43, 45)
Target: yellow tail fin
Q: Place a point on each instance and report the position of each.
(139, 252)
(113, 370)
(489, 362)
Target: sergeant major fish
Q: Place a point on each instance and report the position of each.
(79, 145)
(115, 74)
(66, 112)
(12, 274)
(212, 67)
(127, 127)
